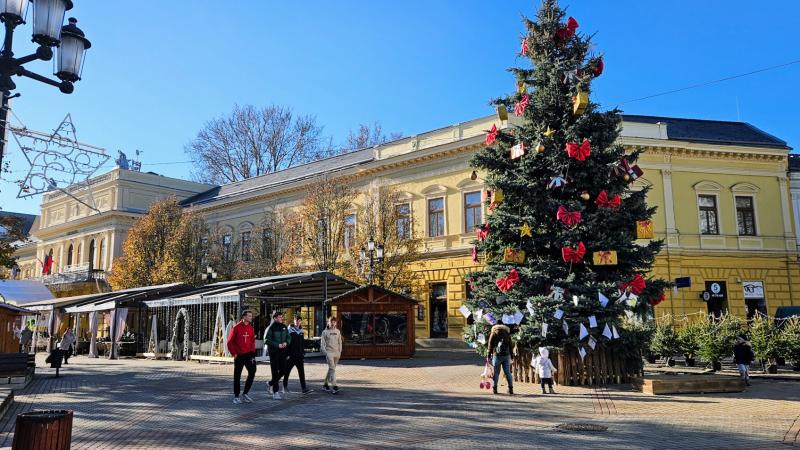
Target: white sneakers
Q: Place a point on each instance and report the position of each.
(246, 398)
(277, 396)
(236, 401)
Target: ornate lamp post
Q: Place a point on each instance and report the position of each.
(372, 254)
(70, 42)
(209, 275)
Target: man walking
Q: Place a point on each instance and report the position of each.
(277, 341)
(296, 355)
(242, 346)
(331, 346)
(500, 354)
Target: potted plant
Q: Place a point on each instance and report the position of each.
(790, 338)
(688, 337)
(665, 343)
(716, 338)
(765, 338)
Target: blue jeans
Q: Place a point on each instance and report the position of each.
(505, 361)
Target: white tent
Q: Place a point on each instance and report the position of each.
(20, 292)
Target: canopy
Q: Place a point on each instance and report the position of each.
(22, 292)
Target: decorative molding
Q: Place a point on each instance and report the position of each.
(707, 186)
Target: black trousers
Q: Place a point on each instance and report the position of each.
(248, 360)
(295, 361)
(277, 365)
(67, 353)
(546, 381)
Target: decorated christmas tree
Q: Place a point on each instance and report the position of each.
(567, 246)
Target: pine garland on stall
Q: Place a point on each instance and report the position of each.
(562, 262)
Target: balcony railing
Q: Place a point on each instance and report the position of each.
(75, 273)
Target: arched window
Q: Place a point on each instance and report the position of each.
(69, 255)
(91, 254)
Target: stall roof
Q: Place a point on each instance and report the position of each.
(377, 288)
(310, 287)
(110, 300)
(16, 310)
(22, 292)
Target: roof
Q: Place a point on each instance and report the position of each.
(377, 288)
(25, 222)
(24, 291)
(16, 310)
(283, 176)
(711, 131)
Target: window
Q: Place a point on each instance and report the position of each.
(472, 211)
(350, 230)
(226, 246)
(745, 216)
(403, 214)
(267, 244)
(708, 214)
(436, 217)
(245, 246)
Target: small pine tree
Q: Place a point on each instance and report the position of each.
(559, 184)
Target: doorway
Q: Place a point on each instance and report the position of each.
(438, 310)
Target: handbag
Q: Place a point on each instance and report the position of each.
(487, 375)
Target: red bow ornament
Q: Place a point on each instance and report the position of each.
(523, 47)
(491, 136)
(519, 107)
(482, 231)
(507, 283)
(569, 30)
(636, 285)
(579, 152)
(570, 218)
(604, 202)
(658, 300)
(475, 254)
(597, 70)
(575, 255)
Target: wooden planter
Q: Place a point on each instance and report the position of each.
(602, 366)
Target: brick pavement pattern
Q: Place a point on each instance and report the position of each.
(430, 401)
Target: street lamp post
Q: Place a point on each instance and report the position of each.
(48, 32)
(209, 275)
(374, 254)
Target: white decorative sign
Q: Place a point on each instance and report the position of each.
(753, 289)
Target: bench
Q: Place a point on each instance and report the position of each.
(17, 365)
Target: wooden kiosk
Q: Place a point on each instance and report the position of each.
(375, 323)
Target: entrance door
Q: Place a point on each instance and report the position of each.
(438, 310)
(755, 305)
(717, 308)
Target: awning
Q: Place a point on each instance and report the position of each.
(308, 289)
(21, 292)
(16, 310)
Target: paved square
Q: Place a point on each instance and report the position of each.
(431, 401)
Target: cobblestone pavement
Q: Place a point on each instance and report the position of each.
(431, 401)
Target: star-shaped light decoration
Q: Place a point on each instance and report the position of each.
(525, 230)
(549, 132)
(57, 160)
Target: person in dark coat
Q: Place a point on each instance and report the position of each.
(743, 356)
(277, 340)
(500, 353)
(296, 355)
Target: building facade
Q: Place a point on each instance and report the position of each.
(721, 189)
(82, 230)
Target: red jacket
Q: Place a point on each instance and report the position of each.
(242, 339)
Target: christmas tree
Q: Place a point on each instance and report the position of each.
(562, 263)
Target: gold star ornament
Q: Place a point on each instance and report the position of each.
(525, 230)
(549, 132)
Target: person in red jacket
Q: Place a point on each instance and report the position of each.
(242, 345)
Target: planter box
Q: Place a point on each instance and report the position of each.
(687, 384)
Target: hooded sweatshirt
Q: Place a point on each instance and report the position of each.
(542, 364)
(331, 342)
(296, 341)
(242, 339)
(500, 341)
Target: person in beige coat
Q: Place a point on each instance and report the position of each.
(331, 346)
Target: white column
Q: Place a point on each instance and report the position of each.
(669, 208)
(785, 207)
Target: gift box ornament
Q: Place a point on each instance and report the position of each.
(644, 229)
(605, 258)
(579, 102)
(502, 113)
(512, 255)
(521, 87)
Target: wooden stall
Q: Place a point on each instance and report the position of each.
(375, 323)
(10, 316)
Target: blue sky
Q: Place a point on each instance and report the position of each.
(158, 70)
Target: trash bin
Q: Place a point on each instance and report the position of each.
(43, 430)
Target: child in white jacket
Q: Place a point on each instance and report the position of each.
(544, 368)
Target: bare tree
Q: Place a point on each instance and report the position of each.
(386, 218)
(323, 213)
(367, 136)
(270, 253)
(254, 141)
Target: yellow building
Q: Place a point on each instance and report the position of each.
(721, 190)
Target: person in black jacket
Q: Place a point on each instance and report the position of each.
(296, 355)
(743, 356)
(500, 353)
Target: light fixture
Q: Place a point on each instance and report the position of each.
(370, 245)
(71, 52)
(13, 11)
(48, 16)
(379, 251)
